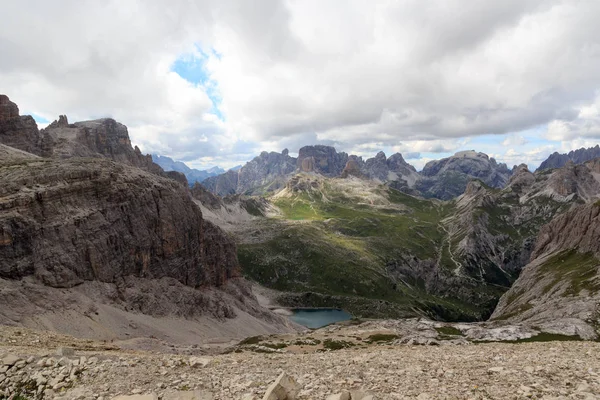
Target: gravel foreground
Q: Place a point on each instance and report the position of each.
(549, 370)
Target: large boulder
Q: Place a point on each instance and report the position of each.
(285, 387)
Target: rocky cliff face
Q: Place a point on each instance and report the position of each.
(70, 221)
(574, 180)
(19, 132)
(447, 178)
(579, 156)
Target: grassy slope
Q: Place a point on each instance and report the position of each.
(339, 245)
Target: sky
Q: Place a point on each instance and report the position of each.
(215, 82)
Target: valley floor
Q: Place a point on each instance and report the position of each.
(548, 370)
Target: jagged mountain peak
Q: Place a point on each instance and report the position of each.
(579, 156)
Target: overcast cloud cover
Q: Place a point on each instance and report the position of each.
(215, 82)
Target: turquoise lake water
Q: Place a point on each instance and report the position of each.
(317, 318)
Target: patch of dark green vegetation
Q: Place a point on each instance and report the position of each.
(253, 208)
(275, 345)
(541, 337)
(382, 337)
(251, 340)
(307, 342)
(449, 331)
(331, 344)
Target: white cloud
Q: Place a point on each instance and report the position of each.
(585, 126)
(514, 140)
(411, 76)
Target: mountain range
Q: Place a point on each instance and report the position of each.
(92, 229)
(442, 179)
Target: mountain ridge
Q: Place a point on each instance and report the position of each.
(268, 171)
(579, 156)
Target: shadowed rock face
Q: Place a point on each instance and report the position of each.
(8, 109)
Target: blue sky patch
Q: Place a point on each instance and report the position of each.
(192, 68)
(39, 119)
